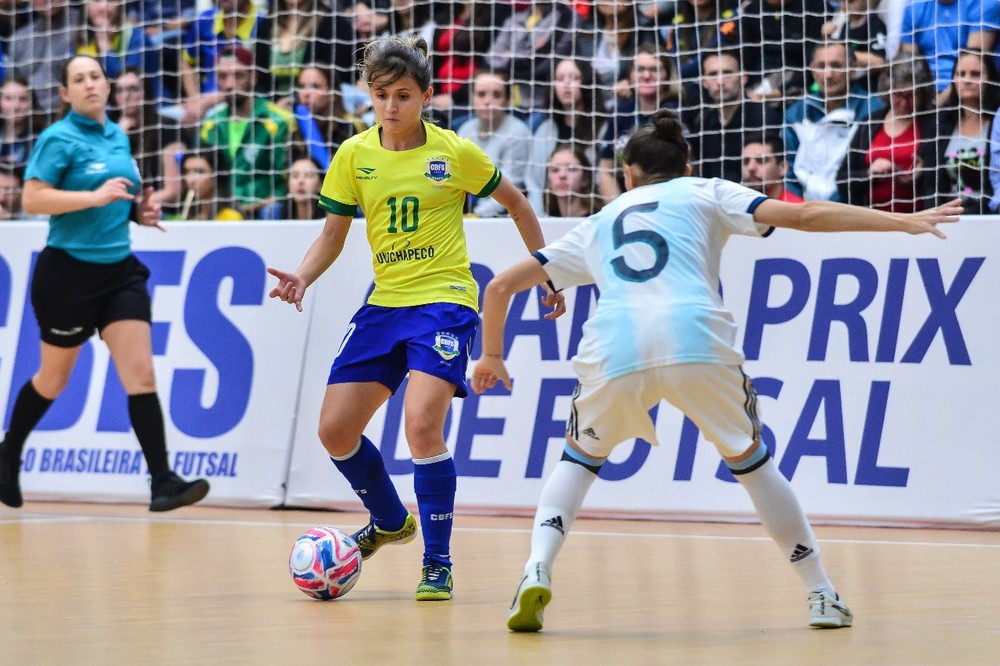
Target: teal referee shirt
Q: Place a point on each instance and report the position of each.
(79, 154)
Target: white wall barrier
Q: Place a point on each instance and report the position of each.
(228, 365)
(871, 355)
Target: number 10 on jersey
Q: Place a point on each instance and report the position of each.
(405, 212)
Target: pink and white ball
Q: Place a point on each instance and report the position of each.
(325, 563)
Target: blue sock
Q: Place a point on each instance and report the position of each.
(364, 469)
(434, 481)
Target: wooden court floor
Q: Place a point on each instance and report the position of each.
(114, 584)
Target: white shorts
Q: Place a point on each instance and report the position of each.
(719, 399)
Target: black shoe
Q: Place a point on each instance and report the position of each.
(173, 492)
(10, 484)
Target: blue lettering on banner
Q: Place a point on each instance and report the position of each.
(129, 462)
(225, 347)
(585, 300)
(5, 301)
(823, 404)
(469, 427)
(943, 302)
(546, 427)
(869, 473)
(5, 289)
(519, 325)
(221, 342)
(686, 448)
(759, 313)
(892, 310)
(85, 461)
(850, 314)
(206, 463)
(824, 397)
(482, 275)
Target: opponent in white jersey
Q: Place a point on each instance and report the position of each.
(654, 254)
(661, 332)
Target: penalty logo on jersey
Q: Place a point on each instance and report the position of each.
(446, 345)
(438, 170)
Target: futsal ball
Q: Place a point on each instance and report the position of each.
(325, 563)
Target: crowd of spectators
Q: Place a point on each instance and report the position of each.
(234, 108)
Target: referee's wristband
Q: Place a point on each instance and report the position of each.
(552, 287)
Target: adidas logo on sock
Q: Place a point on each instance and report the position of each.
(800, 553)
(555, 523)
(589, 432)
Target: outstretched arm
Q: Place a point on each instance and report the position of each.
(832, 216)
(319, 257)
(523, 275)
(531, 233)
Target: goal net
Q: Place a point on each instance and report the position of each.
(231, 105)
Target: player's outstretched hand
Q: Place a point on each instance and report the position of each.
(150, 211)
(554, 300)
(291, 288)
(488, 371)
(926, 221)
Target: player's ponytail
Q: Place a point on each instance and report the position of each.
(390, 58)
(659, 149)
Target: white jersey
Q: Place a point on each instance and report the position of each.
(654, 253)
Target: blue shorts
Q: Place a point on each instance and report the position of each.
(383, 344)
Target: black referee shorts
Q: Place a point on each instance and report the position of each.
(73, 298)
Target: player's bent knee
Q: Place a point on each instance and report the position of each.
(336, 443)
(573, 454)
(753, 458)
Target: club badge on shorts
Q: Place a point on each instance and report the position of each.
(446, 345)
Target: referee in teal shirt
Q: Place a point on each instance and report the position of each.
(82, 174)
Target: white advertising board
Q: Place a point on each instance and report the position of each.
(872, 355)
(228, 363)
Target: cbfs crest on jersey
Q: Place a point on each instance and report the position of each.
(438, 170)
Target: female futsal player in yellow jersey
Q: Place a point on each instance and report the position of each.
(411, 180)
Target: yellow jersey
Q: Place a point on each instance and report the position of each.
(413, 202)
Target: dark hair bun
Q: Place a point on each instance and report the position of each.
(420, 44)
(668, 126)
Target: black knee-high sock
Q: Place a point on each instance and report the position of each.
(29, 408)
(147, 421)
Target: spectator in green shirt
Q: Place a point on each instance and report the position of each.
(253, 136)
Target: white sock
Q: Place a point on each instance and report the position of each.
(783, 519)
(558, 506)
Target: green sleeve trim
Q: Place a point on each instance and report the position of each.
(335, 207)
(492, 185)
